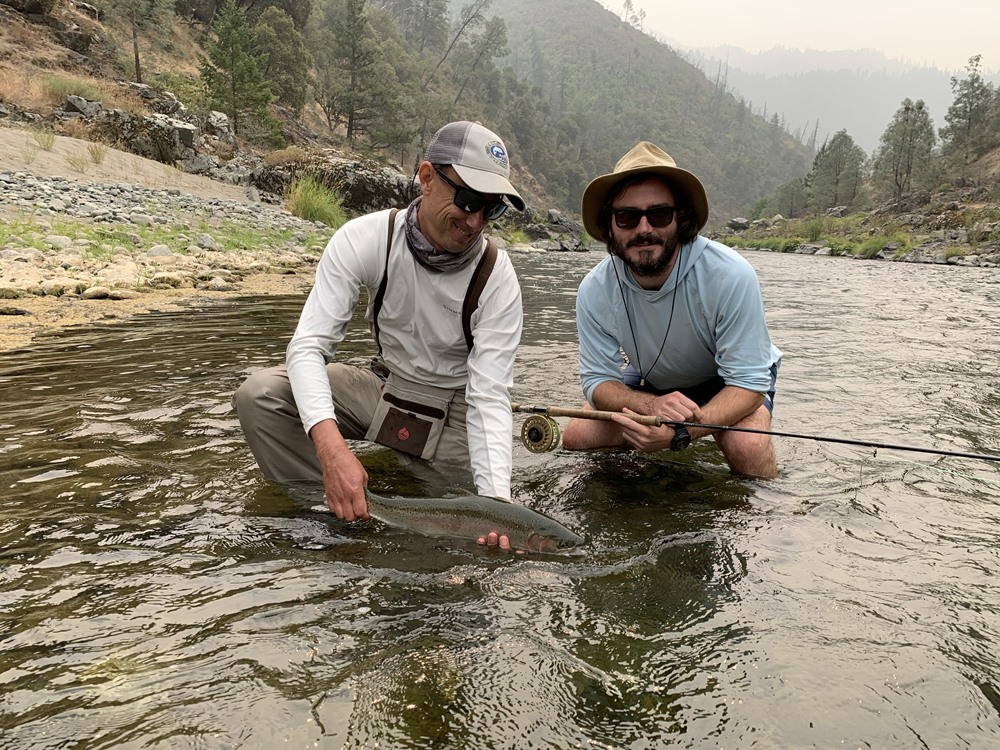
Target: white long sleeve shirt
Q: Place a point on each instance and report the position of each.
(420, 329)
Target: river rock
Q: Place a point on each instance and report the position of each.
(96, 292)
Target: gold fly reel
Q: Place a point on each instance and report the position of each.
(540, 434)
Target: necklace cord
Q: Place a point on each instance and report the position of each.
(628, 317)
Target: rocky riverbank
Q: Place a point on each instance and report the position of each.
(75, 252)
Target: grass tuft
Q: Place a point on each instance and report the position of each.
(97, 151)
(79, 162)
(313, 201)
(44, 137)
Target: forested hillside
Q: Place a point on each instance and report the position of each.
(569, 85)
(605, 85)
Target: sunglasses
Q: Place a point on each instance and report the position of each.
(657, 216)
(472, 202)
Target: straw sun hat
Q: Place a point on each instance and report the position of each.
(644, 157)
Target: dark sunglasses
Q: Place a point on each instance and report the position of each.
(657, 216)
(471, 201)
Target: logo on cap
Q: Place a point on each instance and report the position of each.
(496, 152)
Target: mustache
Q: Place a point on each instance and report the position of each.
(645, 239)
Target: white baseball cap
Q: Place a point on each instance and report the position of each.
(479, 157)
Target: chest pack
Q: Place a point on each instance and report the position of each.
(472, 294)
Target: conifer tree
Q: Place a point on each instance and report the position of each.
(143, 16)
(232, 71)
(287, 64)
(967, 132)
(904, 153)
(837, 172)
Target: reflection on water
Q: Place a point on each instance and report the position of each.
(157, 592)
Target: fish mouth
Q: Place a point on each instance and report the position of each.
(541, 543)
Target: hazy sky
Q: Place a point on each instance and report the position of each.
(943, 36)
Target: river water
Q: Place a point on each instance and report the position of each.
(157, 592)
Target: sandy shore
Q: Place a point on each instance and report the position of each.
(24, 320)
(28, 317)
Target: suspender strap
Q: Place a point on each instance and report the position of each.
(380, 295)
(472, 295)
(476, 287)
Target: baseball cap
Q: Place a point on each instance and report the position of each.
(478, 155)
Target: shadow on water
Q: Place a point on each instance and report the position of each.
(157, 592)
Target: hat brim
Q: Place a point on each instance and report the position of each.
(489, 182)
(596, 195)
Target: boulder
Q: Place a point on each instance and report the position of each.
(363, 186)
(41, 7)
(158, 137)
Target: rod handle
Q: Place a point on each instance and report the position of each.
(604, 416)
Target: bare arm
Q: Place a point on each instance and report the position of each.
(727, 407)
(344, 478)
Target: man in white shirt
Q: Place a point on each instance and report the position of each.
(439, 389)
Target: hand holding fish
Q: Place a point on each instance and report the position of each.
(466, 517)
(492, 539)
(344, 478)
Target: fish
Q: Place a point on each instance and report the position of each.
(472, 517)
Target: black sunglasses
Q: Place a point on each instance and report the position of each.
(657, 216)
(471, 201)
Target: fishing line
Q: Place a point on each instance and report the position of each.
(939, 468)
(654, 421)
(845, 441)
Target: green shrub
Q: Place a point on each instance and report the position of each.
(815, 228)
(313, 201)
(778, 244)
(188, 89)
(786, 244)
(261, 129)
(841, 246)
(518, 237)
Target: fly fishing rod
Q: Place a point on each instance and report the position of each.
(547, 436)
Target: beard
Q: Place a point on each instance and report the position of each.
(653, 257)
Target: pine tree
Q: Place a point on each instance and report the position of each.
(477, 58)
(232, 70)
(143, 16)
(837, 172)
(356, 53)
(967, 132)
(904, 153)
(288, 61)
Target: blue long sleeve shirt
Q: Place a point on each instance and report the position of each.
(710, 308)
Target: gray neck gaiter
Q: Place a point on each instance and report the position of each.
(430, 258)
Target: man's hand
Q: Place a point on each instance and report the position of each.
(675, 407)
(672, 407)
(500, 541)
(641, 437)
(344, 478)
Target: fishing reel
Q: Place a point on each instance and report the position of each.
(540, 433)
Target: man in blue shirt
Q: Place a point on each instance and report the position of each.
(670, 323)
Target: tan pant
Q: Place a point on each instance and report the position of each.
(273, 429)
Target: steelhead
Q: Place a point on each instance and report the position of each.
(472, 517)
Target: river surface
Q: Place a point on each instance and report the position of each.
(157, 592)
